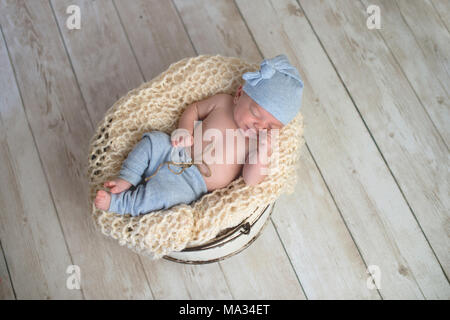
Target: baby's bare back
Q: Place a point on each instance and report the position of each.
(228, 166)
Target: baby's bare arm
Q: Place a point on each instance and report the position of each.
(256, 170)
(253, 173)
(198, 111)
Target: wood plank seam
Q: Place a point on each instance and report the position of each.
(7, 270)
(144, 79)
(288, 10)
(133, 77)
(219, 263)
(184, 25)
(376, 144)
(412, 212)
(429, 117)
(403, 71)
(342, 216)
(38, 152)
(289, 258)
(85, 105)
(65, 88)
(128, 40)
(226, 281)
(438, 14)
(70, 62)
(273, 224)
(314, 160)
(316, 164)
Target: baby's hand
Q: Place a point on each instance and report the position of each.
(262, 144)
(265, 144)
(181, 138)
(251, 134)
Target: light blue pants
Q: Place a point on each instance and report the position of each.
(165, 189)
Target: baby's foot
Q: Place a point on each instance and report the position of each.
(117, 185)
(102, 200)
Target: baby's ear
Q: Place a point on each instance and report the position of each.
(239, 91)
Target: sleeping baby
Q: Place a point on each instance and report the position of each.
(201, 155)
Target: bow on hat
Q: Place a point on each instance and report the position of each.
(268, 69)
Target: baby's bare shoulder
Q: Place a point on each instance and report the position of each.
(223, 99)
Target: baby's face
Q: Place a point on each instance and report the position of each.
(250, 115)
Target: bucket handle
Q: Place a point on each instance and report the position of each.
(246, 228)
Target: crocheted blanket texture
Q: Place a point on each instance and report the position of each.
(157, 105)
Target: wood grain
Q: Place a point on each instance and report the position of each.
(156, 34)
(361, 184)
(227, 33)
(30, 232)
(373, 177)
(151, 47)
(318, 241)
(442, 8)
(410, 144)
(62, 129)
(113, 73)
(413, 32)
(6, 289)
(241, 36)
(104, 64)
(263, 270)
(171, 280)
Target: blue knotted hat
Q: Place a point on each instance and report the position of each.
(277, 87)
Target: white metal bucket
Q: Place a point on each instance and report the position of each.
(227, 243)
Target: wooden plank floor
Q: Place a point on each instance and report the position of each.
(373, 191)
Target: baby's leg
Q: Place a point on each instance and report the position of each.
(134, 202)
(133, 167)
(162, 191)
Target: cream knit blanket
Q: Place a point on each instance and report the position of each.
(157, 105)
